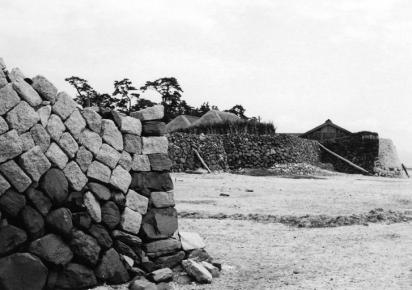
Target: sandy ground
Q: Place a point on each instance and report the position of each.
(273, 256)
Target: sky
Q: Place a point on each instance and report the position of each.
(295, 63)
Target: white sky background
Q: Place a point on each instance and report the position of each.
(296, 62)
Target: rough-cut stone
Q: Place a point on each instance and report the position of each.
(40, 137)
(127, 124)
(75, 176)
(154, 128)
(160, 162)
(44, 114)
(125, 161)
(170, 261)
(15, 175)
(93, 207)
(142, 284)
(75, 276)
(11, 239)
(68, 144)
(40, 201)
(91, 141)
(140, 163)
(35, 163)
(131, 221)
(112, 135)
(93, 120)
(55, 127)
(152, 145)
(110, 215)
(4, 185)
(60, 221)
(82, 220)
(101, 236)
(200, 255)
(162, 247)
(3, 79)
(75, 123)
(112, 269)
(99, 190)
(57, 156)
(197, 271)
(212, 269)
(161, 199)
(99, 172)
(120, 179)
(136, 202)
(22, 117)
(132, 241)
(85, 247)
(12, 202)
(8, 99)
(16, 74)
(64, 105)
(26, 141)
(55, 185)
(84, 158)
(10, 145)
(132, 143)
(146, 182)
(52, 249)
(26, 92)
(45, 88)
(108, 155)
(191, 241)
(22, 271)
(3, 126)
(119, 199)
(162, 275)
(148, 114)
(159, 223)
(33, 222)
(124, 249)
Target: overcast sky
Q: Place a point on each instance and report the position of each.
(296, 62)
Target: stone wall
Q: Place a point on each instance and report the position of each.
(388, 163)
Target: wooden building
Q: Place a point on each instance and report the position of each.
(328, 131)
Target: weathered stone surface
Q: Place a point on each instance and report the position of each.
(26, 92)
(119, 199)
(40, 201)
(44, 114)
(57, 156)
(131, 221)
(4, 185)
(120, 179)
(11, 239)
(10, 145)
(22, 117)
(110, 215)
(145, 182)
(8, 99)
(132, 143)
(75, 176)
(112, 135)
(127, 124)
(55, 127)
(162, 247)
(99, 190)
(132, 241)
(159, 223)
(22, 271)
(40, 137)
(68, 144)
(108, 155)
(33, 222)
(99, 171)
(200, 255)
(154, 128)
(35, 163)
(142, 284)
(160, 162)
(124, 249)
(84, 158)
(82, 220)
(136, 202)
(45, 88)
(93, 207)
(93, 120)
(111, 268)
(212, 269)
(85, 247)
(170, 261)
(52, 249)
(26, 141)
(3, 126)
(75, 276)
(12, 202)
(60, 221)
(125, 161)
(162, 275)
(153, 145)
(197, 271)
(161, 199)
(3, 79)
(140, 163)
(64, 105)
(191, 241)
(16, 74)
(55, 185)
(15, 175)
(148, 114)
(75, 124)
(91, 141)
(101, 236)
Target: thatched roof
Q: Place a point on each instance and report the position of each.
(215, 116)
(180, 122)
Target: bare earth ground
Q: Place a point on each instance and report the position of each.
(274, 256)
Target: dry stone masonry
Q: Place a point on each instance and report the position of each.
(85, 200)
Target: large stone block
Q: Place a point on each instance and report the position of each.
(45, 88)
(112, 135)
(162, 199)
(159, 223)
(60, 221)
(140, 163)
(160, 162)
(110, 215)
(44, 114)
(120, 179)
(125, 161)
(108, 155)
(55, 185)
(75, 176)
(101, 235)
(93, 207)
(131, 221)
(33, 222)
(40, 137)
(134, 242)
(52, 249)
(57, 156)
(112, 269)
(8, 99)
(10, 145)
(170, 261)
(148, 114)
(55, 127)
(35, 163)
(91, 141)
(153, 145)
(146, 182)
(4, 185)
(11, 239)
(99, 171)
(75, 124)
(197, 271)
(132, 143)
(68, 144)
(3, 126)
(191, 241)
(27, 141)
(3, 79)
(162, 247)
(12, 203)
(40, 201)
(22, 117)
(93, 119)
(85, 247)
(75, 276)
(154, 128)
(137, 202)
(64, 105)
(100, 191)
(26, 92)
(16, 74)
(127, 124)
(15, 175)
(84, 158)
